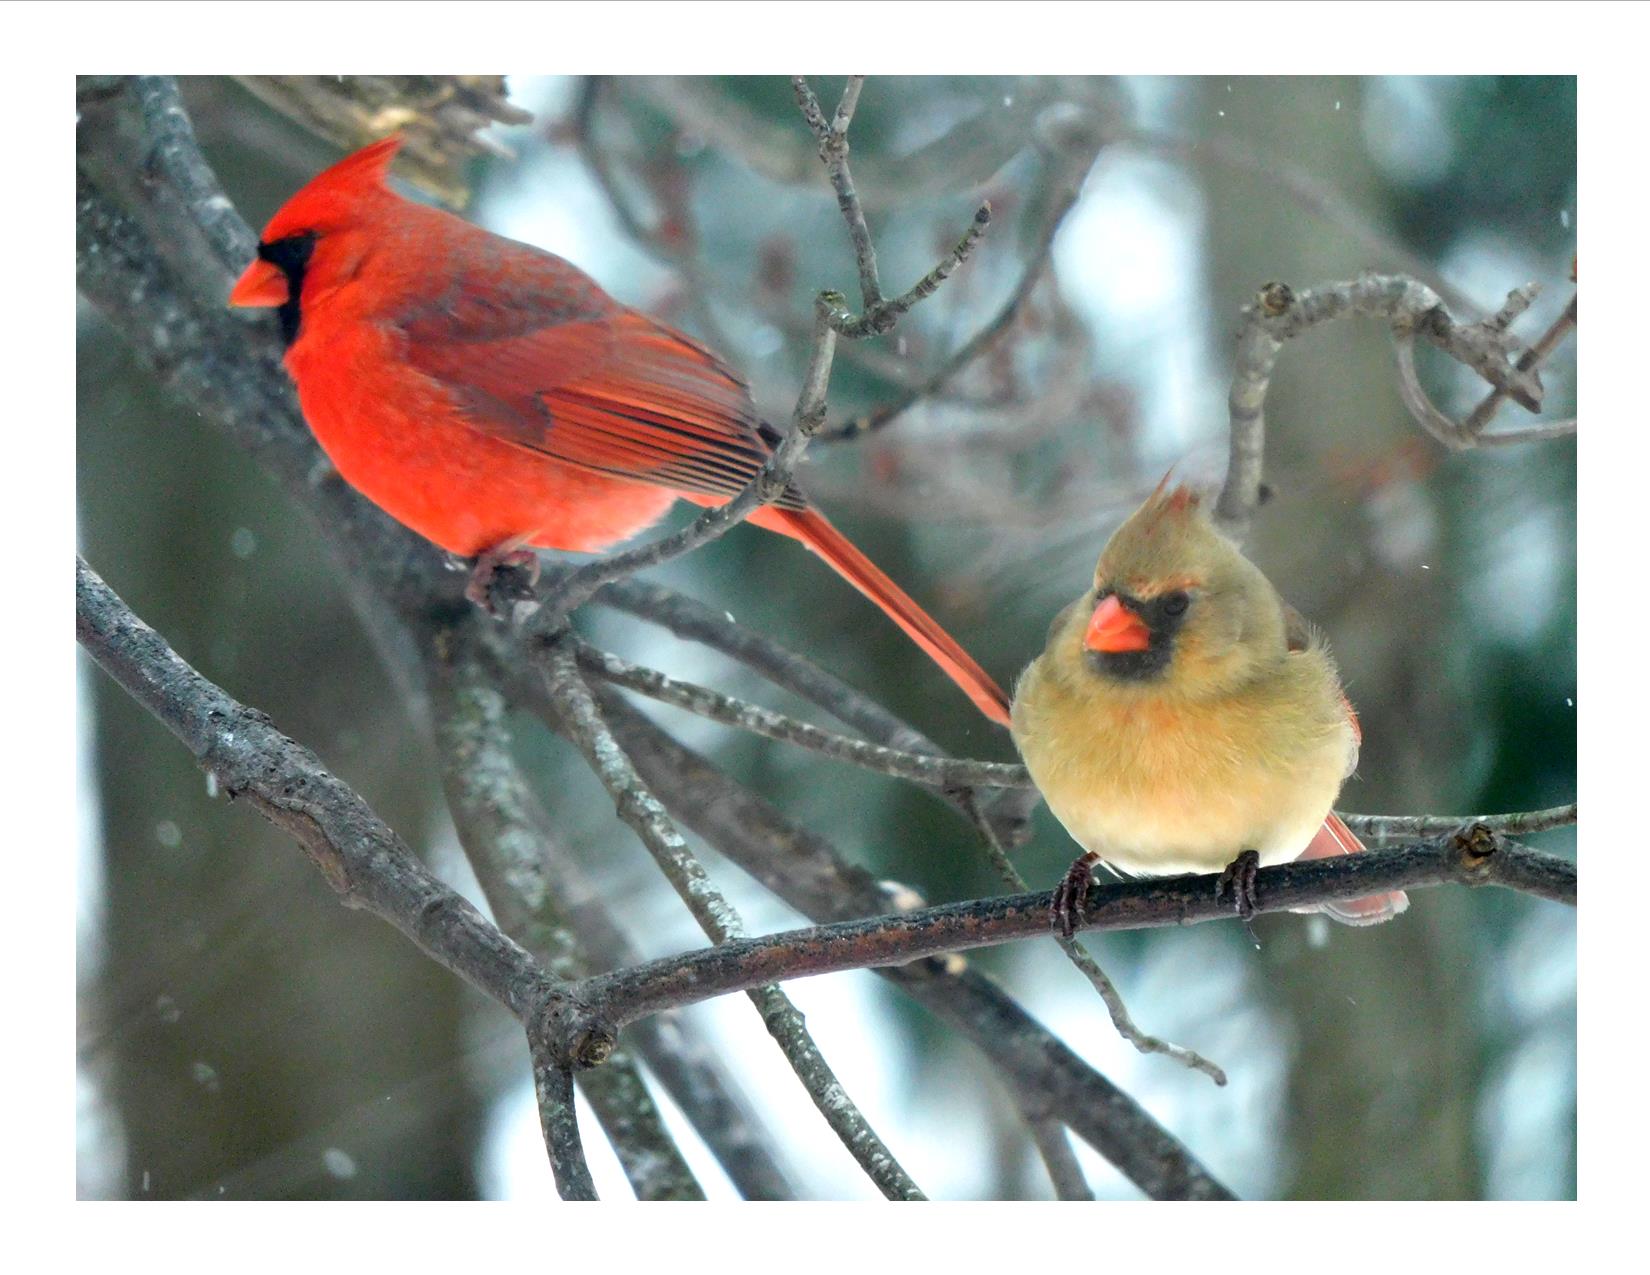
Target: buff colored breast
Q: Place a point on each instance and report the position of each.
(1157, 786)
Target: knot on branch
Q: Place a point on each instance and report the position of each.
(566, 1027)
(1275, 299)
(1474, 845)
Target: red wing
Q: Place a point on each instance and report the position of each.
(620, 394)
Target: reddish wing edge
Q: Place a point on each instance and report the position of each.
(1335, 838)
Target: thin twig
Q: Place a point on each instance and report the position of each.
(878, 314)
(1531, 359)
(641, 810)
(553, 1086)
(922, 768)
(508, 841)
(540, 894)
(833, 151)
(1072, 146)
(1519, 824)
(1066, 1175)
(1090, 968)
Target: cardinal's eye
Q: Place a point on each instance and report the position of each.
(1175, 603)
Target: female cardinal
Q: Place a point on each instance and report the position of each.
(1182, 717)
(490, 396)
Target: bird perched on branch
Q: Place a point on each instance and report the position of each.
(492, 397)
(1184, 719)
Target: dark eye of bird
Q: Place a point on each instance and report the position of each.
(290, 256)
(1176, 603)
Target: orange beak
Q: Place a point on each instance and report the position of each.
(1113, 627)
(261, 284)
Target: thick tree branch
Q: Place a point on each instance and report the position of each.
(1472, 857)
(361, 858)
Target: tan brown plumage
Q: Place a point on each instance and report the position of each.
(1182, 713)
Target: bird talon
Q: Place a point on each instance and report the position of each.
(502, 577)
(1237, 884)
(1071, 896)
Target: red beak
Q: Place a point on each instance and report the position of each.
(1113, 627)
(261, 284)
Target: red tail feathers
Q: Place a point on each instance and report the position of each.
(1335, 838)
(811, 528)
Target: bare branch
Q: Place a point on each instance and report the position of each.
(1079, 956)
(1412, 309)
(1474, 857)
(1520, 824)
(508, 841)
(553, 1085)
(1072, 141)
(539, 893)
(647, 818)
(1064, 1172)
(878, 314)
(360, 857)
(922, 768)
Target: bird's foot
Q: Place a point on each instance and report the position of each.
(1237, 887)
(1071, 895)
(503, 576)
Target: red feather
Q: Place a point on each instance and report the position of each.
(484, 392)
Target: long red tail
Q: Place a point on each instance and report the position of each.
(1335, 838)
(811, 528)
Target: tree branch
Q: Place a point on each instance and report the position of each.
(647, 818)
(1475, 856)
(879, 314)
(1412, 310)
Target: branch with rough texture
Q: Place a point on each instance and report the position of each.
(553, 1086)
(805, 870)
(1518, 824)
(507, 841)
(647, 818)
(359, 855)
(361, 858)
(1412, 310)
(1086, 965)
(879, 314)
(922, 768)
(1474, 856)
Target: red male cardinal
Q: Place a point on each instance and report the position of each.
(1182, 714)
(490, 396)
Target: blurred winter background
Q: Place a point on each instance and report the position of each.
(241, 1035)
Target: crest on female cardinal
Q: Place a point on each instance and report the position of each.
(1181, 713)
(492, 397)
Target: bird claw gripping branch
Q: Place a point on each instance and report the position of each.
(1071, 896)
